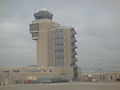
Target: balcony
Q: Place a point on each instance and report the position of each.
(73, 39)
(35, 38)
(74, 53)
(73, 31)
(73, 64)
(34, 35)
(74, 59)
(74, 47)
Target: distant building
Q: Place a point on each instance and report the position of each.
(100, 76)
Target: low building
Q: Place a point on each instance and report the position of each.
(100, 76)
(20, 74)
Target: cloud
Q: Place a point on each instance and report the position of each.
(96, 23)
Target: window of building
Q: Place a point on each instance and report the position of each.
(34, 27)
(111, 77)
(50, 70)
(59, 47)
(37, 71)
(6, 71)
(16, 71)
(103, 77)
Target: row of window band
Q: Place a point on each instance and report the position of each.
(30, 71)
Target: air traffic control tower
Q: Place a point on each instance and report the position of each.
(55, 44)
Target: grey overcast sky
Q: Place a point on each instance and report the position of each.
(97, 23)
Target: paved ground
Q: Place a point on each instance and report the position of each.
(66, 86)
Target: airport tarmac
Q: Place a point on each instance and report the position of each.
(65, 86)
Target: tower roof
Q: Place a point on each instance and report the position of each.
(43, 14)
